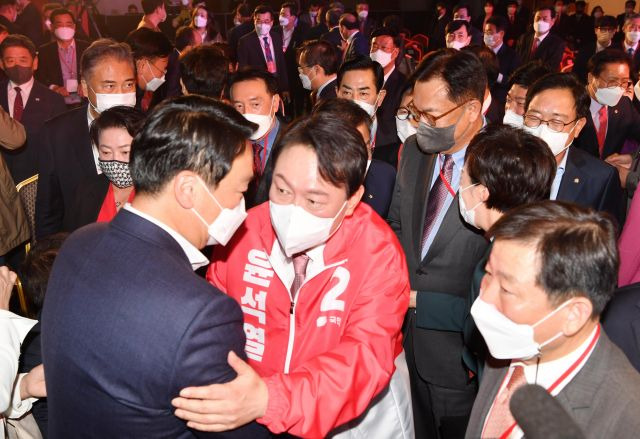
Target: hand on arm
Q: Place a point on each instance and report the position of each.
(32, 384)
(7, 280)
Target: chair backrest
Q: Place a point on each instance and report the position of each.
(27, 190)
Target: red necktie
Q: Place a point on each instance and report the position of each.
(500, 418)
(271, 65)
(18, 106)
(534, 47)
(602, 129)
(300, 262)
(437, 196)
(257, 160)
(146, 100)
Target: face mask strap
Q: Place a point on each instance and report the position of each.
(551, 314)
(210, 194)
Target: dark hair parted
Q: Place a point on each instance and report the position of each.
(148, 6)
(344, 109)
(36, 268)
(323, 54)
(61, 11)
(547, 8)
(489, 61)
(205, 70)
(599, 61)
(499, 22)
(339, 147)
(128, 118)
(576, 247)
(515, 166)
(292, 6)
(528, 73)
(250, 74)
(17, 40)
(462, 72)
(104, 49)
(146, 43)
(455, 25)
(184, 37)
(263, 9)
(562, 81)
(363, 63)
(193, 133)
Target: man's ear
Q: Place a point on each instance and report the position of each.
(184, 184)
(85, 88)
(353, 200)
(579, 312)
(579, 126)
(382, 95)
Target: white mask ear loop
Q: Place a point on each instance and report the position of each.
(548, 316)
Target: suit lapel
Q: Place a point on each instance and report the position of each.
(573, 179)
(615, 116)
(424, 174)
(451, 223)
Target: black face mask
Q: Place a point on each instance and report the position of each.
(19, 74)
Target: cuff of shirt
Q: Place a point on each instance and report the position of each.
(19, 406)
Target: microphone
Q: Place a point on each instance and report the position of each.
(540, 416)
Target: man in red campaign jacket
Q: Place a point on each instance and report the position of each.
(323, 285)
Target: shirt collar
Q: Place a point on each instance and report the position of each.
(542, 37)
(352, 36)
(595, 106)
(24, 88)
(600, 48)
(563, 163)
(389, 74)
(71, 46)
(497, 49)
(195, 256)
(326, 83)
(627, 47)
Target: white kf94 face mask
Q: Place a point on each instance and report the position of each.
(506, 339)
(298, 230)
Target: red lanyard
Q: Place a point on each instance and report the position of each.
(563, 377)
(445, 181)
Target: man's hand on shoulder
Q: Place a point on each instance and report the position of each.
(221, 407)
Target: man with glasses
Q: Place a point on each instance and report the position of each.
(441, 250)
(605, 28)
(557, 110)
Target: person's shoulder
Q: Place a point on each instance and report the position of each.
(248, 37)
(619, 377)
(382, 169)
(625, 302)
(47, 48)
(46, 93)
(595, 166)
(68, 119)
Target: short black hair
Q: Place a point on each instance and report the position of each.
(349, 21)
(515, 166)
(462, 6)
(251, 74)
(362, 63)
(61, 11)
(461, 70)
(562, 81)
(339, 147)
(606, 21)
(243, 10)
(630, 3)
(489, 61)
(292, 6)
(263, 9)
(193, 133)
(344, 109)
(104, 48)
(148, 6)
(184, 37)
(546, 8)
(131, 119)
(146, 43)
(528, 73)
(17, 40)
(455, 25)
(576, 247)
(36, 268)
(323, 54)
(332, 17)
(205, 70)
(387, 32)
(598, 62)
(630, 18)
(499, 22)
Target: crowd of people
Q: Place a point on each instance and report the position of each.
(321, 224)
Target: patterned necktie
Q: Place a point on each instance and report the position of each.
(630, 52)
(437, 197)
(500, 418)
(534, 47)
(300, 262)
(18, 106)
(257, 159)
(602, 129)
(271, 66)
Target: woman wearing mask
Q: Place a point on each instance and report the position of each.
(101, 196)
(505, 167)
(206, 27)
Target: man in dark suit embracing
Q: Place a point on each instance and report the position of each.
(127, 323)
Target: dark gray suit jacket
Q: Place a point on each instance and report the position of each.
(603, 398)
(443, 277)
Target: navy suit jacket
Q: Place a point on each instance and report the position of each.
(549, 51)
(250, 55)
(593, 183)
(43, 104)
(387, 133)
(623, 122)
(126, 325)
(378, 186)
(49, 69)
(621, 321)
(359, 46)
(333, 37)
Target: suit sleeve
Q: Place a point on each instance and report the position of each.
(202, 355)
(338, 385)
(49, 202)
(12, 133)
(612, 199)
(393, 217)
(362, 46)
(243, 53)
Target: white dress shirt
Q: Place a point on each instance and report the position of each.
(546, 374)
(195, 256)
(286, 37)
(627, 47)
(386, 76)
(557, 179)
(594, 108)
(13, 330)
(25, 91)
(264, 54)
